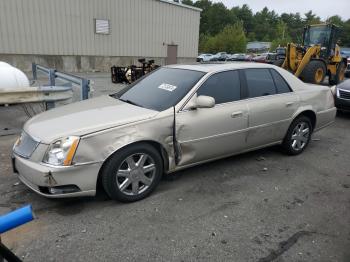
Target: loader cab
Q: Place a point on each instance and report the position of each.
(325, 35)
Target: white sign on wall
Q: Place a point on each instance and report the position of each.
(102, 26)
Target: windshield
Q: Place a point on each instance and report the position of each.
(161, 89)
(318, 35)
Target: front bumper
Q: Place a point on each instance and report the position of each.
(40, 177)
(325, 118)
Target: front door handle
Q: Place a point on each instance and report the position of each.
(289, 103)
(237, 114)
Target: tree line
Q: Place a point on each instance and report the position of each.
(224, 29)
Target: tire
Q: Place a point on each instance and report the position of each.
(278, 62)
(314, 72)
(339, 77)
(294, 148)
(134, 185)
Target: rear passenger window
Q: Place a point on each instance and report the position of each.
(281, 84)
(259, 82)
(224, 87)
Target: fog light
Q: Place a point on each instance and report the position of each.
(63, 189)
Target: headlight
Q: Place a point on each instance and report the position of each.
(61, 152)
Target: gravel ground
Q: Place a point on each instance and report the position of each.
(261, 206)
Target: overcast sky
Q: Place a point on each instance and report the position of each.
(323, 8)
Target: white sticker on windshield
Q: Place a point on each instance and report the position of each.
(167, 87)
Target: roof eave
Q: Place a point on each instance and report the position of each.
(181, 5)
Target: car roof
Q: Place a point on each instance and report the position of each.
(213, 67)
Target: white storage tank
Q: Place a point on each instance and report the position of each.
(11, 77)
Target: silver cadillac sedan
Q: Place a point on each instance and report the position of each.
(176, 117)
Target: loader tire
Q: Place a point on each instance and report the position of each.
(314, 72)
(340, 76)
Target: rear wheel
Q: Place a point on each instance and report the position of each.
(298, 136)
(132, 173)
(340, 76)
(314, 72)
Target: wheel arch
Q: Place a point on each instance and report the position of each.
(158, 146)
(308, 113)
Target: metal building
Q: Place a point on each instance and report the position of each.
(83, 35)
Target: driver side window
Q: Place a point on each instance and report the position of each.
(224, 87)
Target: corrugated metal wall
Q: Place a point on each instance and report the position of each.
(66, 27)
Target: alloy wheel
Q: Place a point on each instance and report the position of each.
(136, 174)
(300, 136)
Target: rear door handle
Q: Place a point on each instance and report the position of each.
(289, 103)
(237, 114)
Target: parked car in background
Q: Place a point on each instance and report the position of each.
(237, 57)
(232, 57)
(342, 96)
(261, 58)
(204, 57)
(221, 56)
(176, 117)
(271, 58)
(249, 57)
(346, 54)
(281, 53)
(279, 57)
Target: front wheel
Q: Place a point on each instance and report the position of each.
(314, 72)
(132, 173)
(298, 136)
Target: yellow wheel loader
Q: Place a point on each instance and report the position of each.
(317, 57)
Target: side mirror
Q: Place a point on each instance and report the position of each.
(200, 102)
(205, 102)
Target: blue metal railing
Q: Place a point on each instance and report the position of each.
(53, 74)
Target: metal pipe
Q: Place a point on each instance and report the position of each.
(43, 69)
(68, 77)
(16, 218)
(10, 221)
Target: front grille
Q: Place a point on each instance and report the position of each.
(344, 94)
(25, 146)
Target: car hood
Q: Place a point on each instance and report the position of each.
(84, 117)
(344, 85)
